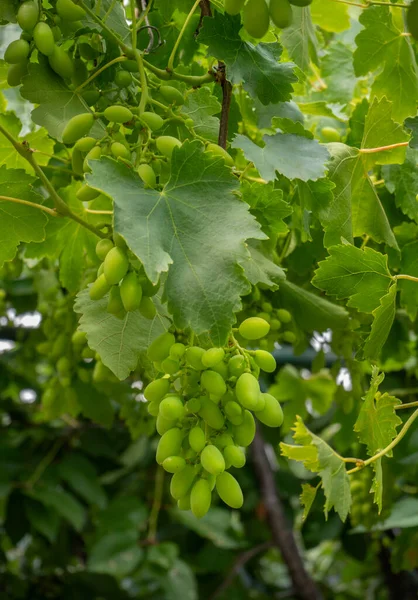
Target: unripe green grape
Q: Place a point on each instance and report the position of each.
(211, 414)
(115, 304)
(103, 247)
(184, 503)
(275, 324)
(123, 79)
(159, 349)
(166, 145)
(88, 353)
(118, 114)
(63, 365)
(177, 350)
(219, 151)
(86, 193)
(131, 292)
(157, 389)
(170, 366)
(233, 409)
(174, 464)
(267, 307)
(153, 408)
(247, 390)
(200, 498)
(17, 52)
(90, 97)
(99, 288)
(281, 13)
(197, 439)
(213, 383)
(222, 369)
(265, 316)
(163, 425)
(254, 328)
(181, 482)
(244, 433)
(93, 154)
(229, 490)
(147, 308)
(61, 63)
(284, 315)
(153, 120)
(236, 365)
(119, 150)
(85, 144)
(79, 338)
(68, 11)
(272, 414)
(169, 444)
(194, 356)
(234, 7)
(56, 32)
(212, 460)
(171, 95)
(77, 127)
(44, 38)
(27, 15)
(172, 408)
(116, 265)
(265, 360)
(148, 288)
(130, 65)
(213, 356)
(256, 18)
(223, 440)
(147, 175)
(330, 134)
(235, 456)
(15, 73)
(193, 406)
(289, 336)
(100, 372)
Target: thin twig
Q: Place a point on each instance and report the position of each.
(226, 105)
(50, 211)
(383, 148)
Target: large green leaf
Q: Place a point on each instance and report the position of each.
(200, 106)
(194, 228)
(402, 181)
(38, 141)
(384, 316)
(362, 276)
(256, 67)
(19, 222)
(119, 342)
(300, 39)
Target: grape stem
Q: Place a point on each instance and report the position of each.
(50, 211)
(143, 82)
(388, 448)
(60, 206)
(407, 405)
(170, 63)
(407, 277)
(383, 148)
(96, 73)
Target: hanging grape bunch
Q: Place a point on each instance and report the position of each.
(205, 402)
(256, 14)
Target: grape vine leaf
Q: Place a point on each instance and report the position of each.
(318, 457)
(300, 40)
(81, 475)
(267, 205)
(37, 140)
(382, 324)
(330, 16)
(382, 43)
(256, 67)
(338, 74)
(194, 228)
(56, 102)
(119, 342)
(409, 289)
(258, 268)
(294, 156)
(113, 14)
(356, 123)
(69, 241)
(307, 498)
(381, 130)
(376, 426)
(362, 276)
(62, 502)
(19, 222)
(412, 125)
(200, 106)
(356, 209)
(402, 181)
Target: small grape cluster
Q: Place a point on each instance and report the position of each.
(204, 400)
(361, 512)
(257, 13)
(123, 277)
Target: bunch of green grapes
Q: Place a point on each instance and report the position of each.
(257, 13)
(362, 512)
(205, 401)
(122, 276)
(282, 327)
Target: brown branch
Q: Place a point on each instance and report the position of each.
(226, 104)
(237, 566)
(205, 11)
(304, 586)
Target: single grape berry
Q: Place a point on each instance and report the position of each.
(131, 292)
(211, 414)
(234, 7)
(172, 408)
(99, 288)
(15, 73)
(116, 265)
(147, 308)
(103, 247)
(284, 315)
(166, 145)
(153, 120)
(123, 79)
(213, 383)
(219, 151)
(182, 481)
(171, 94)
(200, 498)
(27, 15)
(245, 432)
(17, 52)
(44, 38)
(272, 414)
(69, 11)
(247, 390)
(115, 305)
(265, 361)
(197, 439)
(212, 460)
(281, 13)
(147, 175)
(235, 456)
(61, 63)
(194, 356)
(229, 490)
(256, 18)
(159, 349)
(118, 114)
(174, 464)
(236, 365)
(86, 193)
(119, 150)
(254, 328)
(169, 444)
(213, 356)
(156, 390)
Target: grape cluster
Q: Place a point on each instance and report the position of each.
(204, 400)
(362, 500)
(257, 13)
(123, 277)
